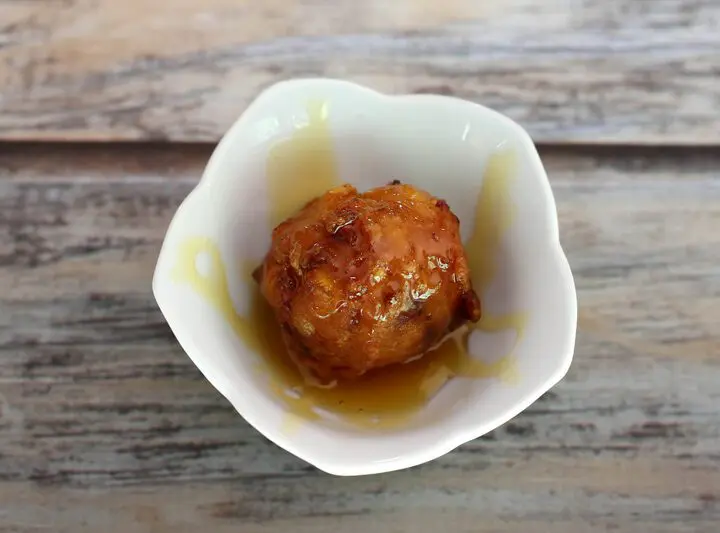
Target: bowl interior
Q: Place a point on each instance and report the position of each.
(441, 145)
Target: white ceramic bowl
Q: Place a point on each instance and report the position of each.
(440, 144)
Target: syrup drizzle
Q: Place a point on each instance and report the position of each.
(387, 397)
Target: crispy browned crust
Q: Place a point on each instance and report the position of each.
(361, 281)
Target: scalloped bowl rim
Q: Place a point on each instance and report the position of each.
(460, 436)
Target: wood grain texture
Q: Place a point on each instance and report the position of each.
(105, 425)
(629, 71)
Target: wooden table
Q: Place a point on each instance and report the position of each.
(108, 112)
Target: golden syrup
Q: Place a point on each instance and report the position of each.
(302, 167)
(387, 397)
(493, 217)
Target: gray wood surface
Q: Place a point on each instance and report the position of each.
(640, 71)
(105, 425)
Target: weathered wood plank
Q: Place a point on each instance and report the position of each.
(631, 71)
(495, 498)
(106, 426)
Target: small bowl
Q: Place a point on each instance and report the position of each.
(446, 146)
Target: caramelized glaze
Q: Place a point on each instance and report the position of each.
(361, 281)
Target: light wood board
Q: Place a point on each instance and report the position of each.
(595, 71)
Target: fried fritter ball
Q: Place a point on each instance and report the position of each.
(362, 281)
